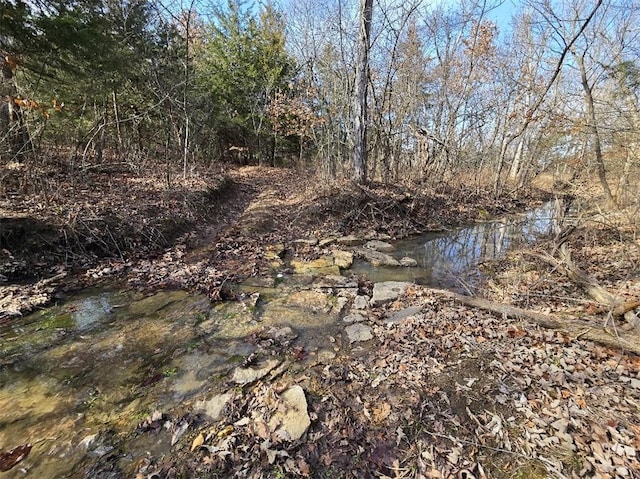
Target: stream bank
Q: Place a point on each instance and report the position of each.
(310, 374)
(201, 233)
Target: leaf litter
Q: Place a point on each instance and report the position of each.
(447, 392)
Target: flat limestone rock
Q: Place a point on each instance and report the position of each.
(305, 242)
(350, 240)
(321, 266)
(283, 335)
(325, 356)
(244, 376)
(408, 262)
(361, 302)
(358, 332)
(342, 259)
(354, 317)
(214, 407)
(377, 258)
(323, 243)
(291, 420)
(341, 303)
(388, 291)
(379, 245)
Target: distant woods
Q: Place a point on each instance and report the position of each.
(457, 92)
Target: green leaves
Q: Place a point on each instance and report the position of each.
(241, 63)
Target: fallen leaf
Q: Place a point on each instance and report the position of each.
(197, 442)
(304, 468)
(225, 431)
(381, 412)
(433, 474)
(14, 456)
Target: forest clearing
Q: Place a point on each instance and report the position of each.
(319, 239)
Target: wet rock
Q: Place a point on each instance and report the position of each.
(305, 242)
(87, 441)
(214, 407)
(282, 335)
(251, 301)
(379, 246)
(341, 303)
(332, 280)
(350, 240)
(377, 258)
(323, 243)
(361, 302)
(322, 266)
(244, 376)
(309, 299)
(273, 254)
(342, 259)
(156, 302)
(408, 262)
(388, 291)
(325, 356)
(402, 314)
(358, 332)
(291, 419)
(260, 282)
(354, 318)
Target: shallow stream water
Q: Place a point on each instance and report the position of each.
(77, 379)
(450, 259)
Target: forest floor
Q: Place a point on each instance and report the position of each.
(443, 390)
(62, 230)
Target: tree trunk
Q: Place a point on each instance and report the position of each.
(593, 129)
(14, 137)
(360, 107)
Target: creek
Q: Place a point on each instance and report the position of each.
(77, 379)
(450, 259)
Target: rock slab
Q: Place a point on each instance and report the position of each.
(358, 332)
(342, 259)
(350, 240)
(354, 317)
(379, 245)
(377, 258)
(214, 407)
(408, 262)
(388, 291)
(244, 376)
(321, 266)
(361, 302)
(291, 420)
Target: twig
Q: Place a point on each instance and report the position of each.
(476, 444)
(115, 243)
(582, 333)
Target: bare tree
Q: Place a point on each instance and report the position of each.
(360, 93)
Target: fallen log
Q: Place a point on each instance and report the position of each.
(574, 328)
(609, 303)
(596, 292)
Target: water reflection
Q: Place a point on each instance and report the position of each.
(90, 310)
(450, 259)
